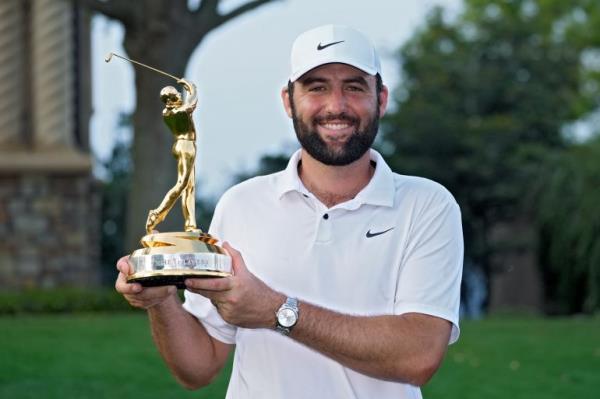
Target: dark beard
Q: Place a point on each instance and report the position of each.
(356, 146)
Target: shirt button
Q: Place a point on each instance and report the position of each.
(325, 216)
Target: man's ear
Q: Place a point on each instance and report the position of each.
(383, 100)
(285, 98)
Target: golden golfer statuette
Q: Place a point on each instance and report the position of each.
(170, 258)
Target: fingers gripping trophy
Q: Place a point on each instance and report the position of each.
(169, 258)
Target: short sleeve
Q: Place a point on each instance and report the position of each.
(201, 307)
(431, 269)
(207, 314)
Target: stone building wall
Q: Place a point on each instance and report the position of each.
(48, 230)
(49, 202)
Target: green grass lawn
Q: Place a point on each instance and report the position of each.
(112, 356)
(87, 356)
(526, 358)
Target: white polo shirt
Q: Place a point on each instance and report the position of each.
(395, 248)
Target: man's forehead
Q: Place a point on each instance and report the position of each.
(335, 71)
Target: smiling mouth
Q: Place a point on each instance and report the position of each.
(337, 123)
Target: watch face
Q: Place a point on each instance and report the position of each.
(286, 317)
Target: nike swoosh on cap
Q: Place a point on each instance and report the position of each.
(324, 46)
(369, 234)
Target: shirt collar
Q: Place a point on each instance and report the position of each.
(379, 191)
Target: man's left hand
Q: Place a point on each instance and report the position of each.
(241, 299)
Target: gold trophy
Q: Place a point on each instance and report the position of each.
(170, 258)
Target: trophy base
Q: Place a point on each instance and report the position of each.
(170, 258)
(157, 279)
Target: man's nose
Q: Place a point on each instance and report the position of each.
(336, 102)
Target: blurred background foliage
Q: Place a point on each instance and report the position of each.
(499, 105)
(115, 188)
(484, 108)
(569, 225)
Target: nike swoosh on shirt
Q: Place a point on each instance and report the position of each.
(324, 46)
(369, 234)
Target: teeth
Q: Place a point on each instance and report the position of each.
(336, 126)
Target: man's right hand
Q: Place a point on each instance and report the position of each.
(137, 295)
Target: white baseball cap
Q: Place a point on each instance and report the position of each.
(333, 43)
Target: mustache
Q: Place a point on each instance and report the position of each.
(336, 118)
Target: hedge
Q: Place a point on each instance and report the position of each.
(62, 300)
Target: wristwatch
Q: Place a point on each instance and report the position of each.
(287, 316)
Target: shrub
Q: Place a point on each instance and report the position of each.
(62, 300)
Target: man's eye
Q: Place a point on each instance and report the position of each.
(355, 88)
(317, 88)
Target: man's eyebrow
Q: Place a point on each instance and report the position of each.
(309, 80)
(357, 79)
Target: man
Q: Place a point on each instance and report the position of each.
(346, 275)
